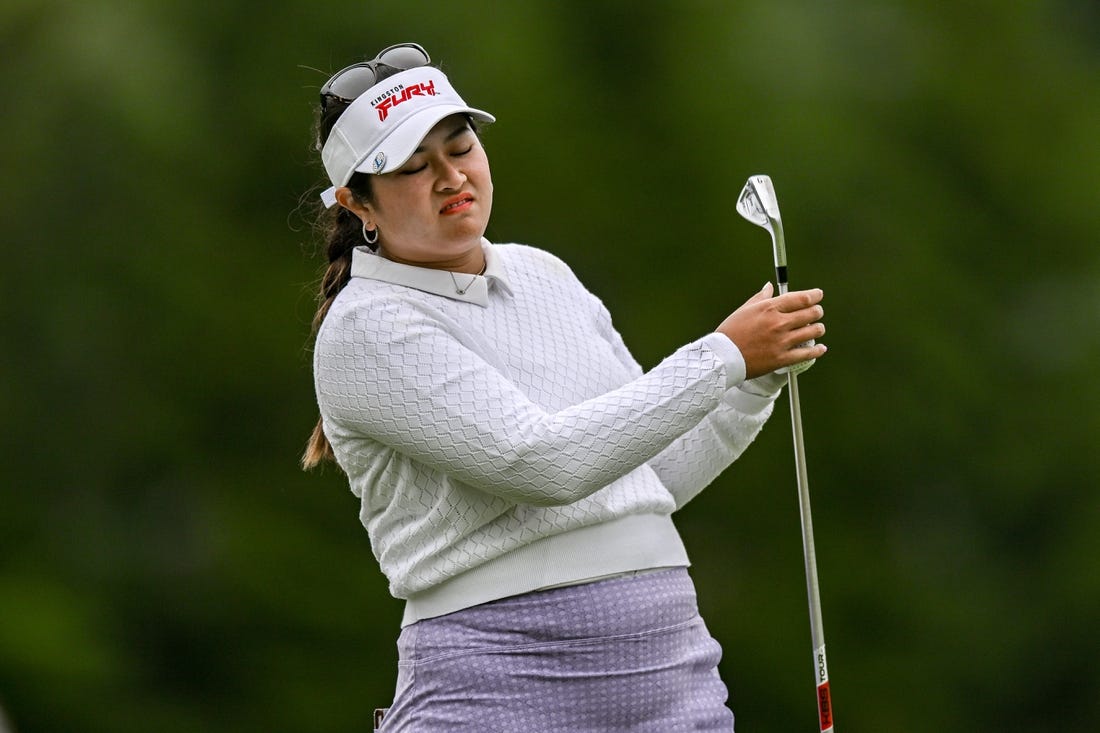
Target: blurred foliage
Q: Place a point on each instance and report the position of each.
(165, 566)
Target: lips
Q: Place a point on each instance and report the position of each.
(456, 204)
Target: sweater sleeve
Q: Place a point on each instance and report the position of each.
(692, 461)
(695, 459)
(397, 371)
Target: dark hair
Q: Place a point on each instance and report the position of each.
(342, 231)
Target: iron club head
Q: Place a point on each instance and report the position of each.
(758, 204)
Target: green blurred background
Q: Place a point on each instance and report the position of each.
(165, 566)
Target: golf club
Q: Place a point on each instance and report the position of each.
(758, 204)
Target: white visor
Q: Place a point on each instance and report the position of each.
(382, 128)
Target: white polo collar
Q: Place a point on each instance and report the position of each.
(454, 285)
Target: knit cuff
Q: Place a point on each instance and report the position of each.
(753, 395)
(727, 351)
(766, 385)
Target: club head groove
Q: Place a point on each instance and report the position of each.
(759, 205)
(750, 207)
(757, 202)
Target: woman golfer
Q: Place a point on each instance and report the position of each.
(516, 469)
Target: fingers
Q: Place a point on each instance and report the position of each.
(802, 338)
(803, 312)
(798, 299)
(806, 335)
(774, 332)
(799, 313)
(808, 352)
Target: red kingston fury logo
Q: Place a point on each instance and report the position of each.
(401, 94)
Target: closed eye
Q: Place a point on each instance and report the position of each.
(454, 154)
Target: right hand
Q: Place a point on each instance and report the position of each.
(776, 332)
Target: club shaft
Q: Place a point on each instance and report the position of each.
(817, 630)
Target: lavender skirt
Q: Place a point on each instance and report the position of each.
(629, 653)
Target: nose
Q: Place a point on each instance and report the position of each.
(449, 176)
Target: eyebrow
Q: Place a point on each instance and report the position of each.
(457, 132)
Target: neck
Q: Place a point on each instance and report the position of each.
(471, 262)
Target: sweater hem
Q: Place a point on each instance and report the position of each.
(636, 542)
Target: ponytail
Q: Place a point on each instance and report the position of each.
(343, 233)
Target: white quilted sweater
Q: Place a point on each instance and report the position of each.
(501, 438)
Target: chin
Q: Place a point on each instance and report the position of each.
(470, 230)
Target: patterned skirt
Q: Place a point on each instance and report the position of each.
(625, 654)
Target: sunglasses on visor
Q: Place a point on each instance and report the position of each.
(348, 83)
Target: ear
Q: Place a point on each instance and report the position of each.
(348, 200)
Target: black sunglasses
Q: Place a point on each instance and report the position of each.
(351, 81)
